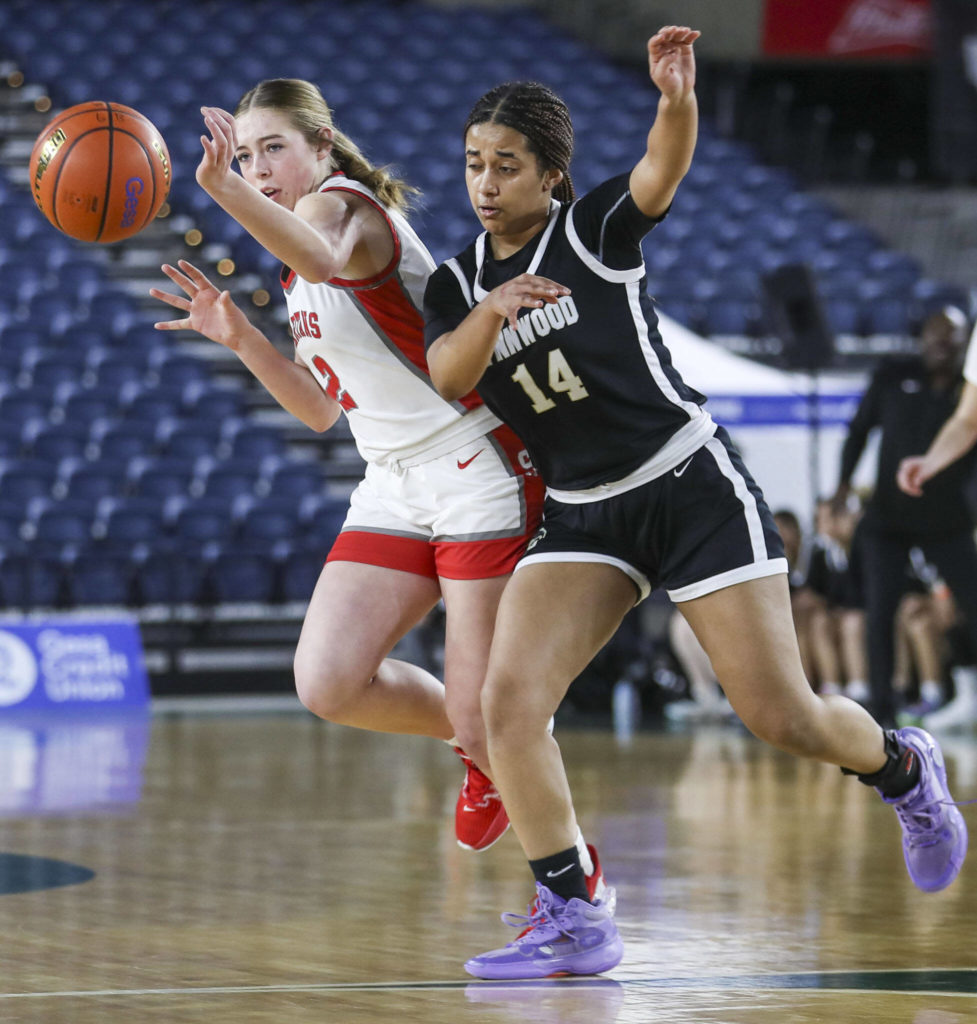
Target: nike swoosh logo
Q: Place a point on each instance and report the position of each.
(555, 874)
(682, 469)
(468, 462)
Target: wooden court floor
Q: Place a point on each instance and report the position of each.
(220, 868)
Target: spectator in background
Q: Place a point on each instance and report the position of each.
(802, 600)
(925, 615)
(910, 399)
(837, 620)
(956, 439)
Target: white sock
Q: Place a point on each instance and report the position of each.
(965, 682)
(930, 691)
(453, 742)
(585, 860)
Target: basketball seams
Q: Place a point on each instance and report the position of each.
(133, 149)
(108, 172)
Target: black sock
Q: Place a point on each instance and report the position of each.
(899, 774)
(561, 873)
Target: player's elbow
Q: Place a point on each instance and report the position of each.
(448, 385)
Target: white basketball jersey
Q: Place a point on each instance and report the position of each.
(364, 343)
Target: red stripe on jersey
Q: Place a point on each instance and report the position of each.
(368, 282)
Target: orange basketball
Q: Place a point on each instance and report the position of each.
(100, 171)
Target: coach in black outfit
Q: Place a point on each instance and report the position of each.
(910, 399)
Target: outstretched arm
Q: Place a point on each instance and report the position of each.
(325, 236)
(957, 436)
(214, 314)
(671, 141)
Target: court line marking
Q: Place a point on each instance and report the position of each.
(741, 983)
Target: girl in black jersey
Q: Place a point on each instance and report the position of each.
(546, 314)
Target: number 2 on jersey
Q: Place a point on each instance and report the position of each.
(561, 379)
(333, 388)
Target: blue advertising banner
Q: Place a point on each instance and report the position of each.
(783, 410)
(72, 664)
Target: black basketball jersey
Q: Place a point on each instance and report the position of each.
(587, 383)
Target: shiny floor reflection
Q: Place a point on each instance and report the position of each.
(273, 868)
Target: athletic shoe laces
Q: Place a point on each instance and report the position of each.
(543, 913)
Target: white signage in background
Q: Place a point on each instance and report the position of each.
(18, 669)
(70, 663)
(81, 666)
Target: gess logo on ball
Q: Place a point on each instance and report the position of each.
(134, 187)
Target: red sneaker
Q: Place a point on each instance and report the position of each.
(480, 818)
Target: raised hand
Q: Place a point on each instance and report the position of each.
(527, 291)
(210, 312)
(671, 61)
(219, 148)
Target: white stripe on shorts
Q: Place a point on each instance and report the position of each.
(753, 522)
(636, 576)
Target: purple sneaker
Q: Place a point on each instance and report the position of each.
(934, 836)
(563, 937)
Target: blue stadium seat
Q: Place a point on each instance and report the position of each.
(300, 570)
(213, 401)
(249, 440)
(322, 518)
(75, 403)
(99, 578)
(30, 581)
(17, 405)
(153, 402)
(159, 477)
(25, 479)
(126, 522)
(888, 316)
(844, 315)
(11, 440)
(90, 480)
(228, 478)
(294, 480)
(11, 516)
(51, 442)
(168, 577)
(197, 522)
(266, 520)
(52, 525)
(174, 367)
(121, 439)
(243, 576)
(190, 438)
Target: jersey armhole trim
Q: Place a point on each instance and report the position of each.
(379, 278)
(593, 263)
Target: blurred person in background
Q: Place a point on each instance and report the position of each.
(910, 399)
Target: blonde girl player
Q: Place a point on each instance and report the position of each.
(547, 313)
(449, 497)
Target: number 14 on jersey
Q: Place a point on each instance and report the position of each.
(561, 380)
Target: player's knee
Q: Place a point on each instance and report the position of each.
(510, 712)
(786, 729)
(326, 696)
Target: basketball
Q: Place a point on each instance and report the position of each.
(100, 172)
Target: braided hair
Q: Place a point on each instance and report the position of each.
(541, 116)
(308, 112)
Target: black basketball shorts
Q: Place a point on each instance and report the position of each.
(696, 529)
